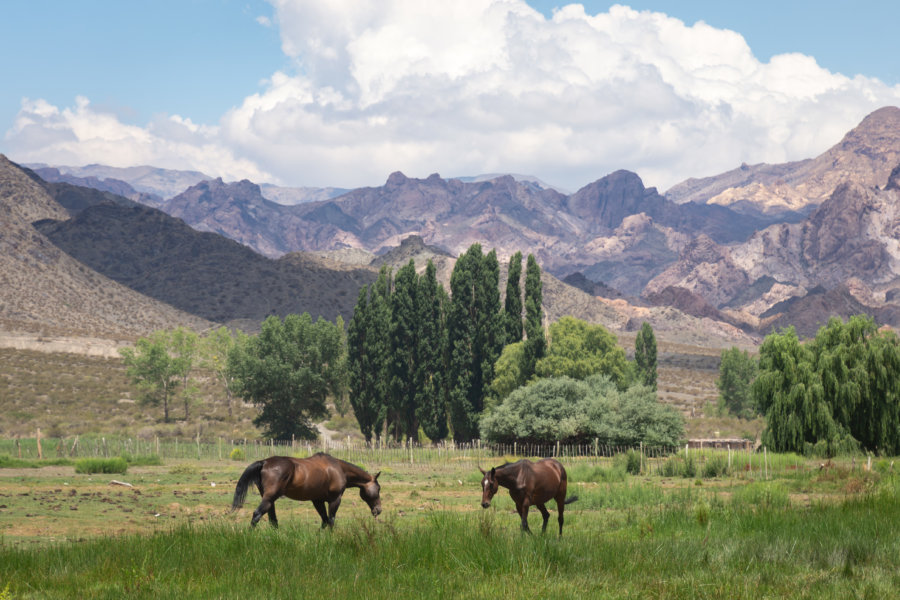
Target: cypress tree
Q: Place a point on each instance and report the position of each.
(512, 308)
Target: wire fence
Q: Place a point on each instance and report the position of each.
(650, 460)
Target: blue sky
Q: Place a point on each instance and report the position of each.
(237, 88)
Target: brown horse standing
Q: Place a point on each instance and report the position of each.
(321, 478)
(529, 484)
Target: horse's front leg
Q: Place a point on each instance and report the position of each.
(333, 508)
(522, 508)
(320, 508)
(546, 514)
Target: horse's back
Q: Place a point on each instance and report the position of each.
(317, 477)
(549, 479)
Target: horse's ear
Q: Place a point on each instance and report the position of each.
(376, 475)
(493, 471)
(483, 472)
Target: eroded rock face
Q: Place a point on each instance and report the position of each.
(866, 156)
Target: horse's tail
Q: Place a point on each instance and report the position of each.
(570, 499)
(252, 474)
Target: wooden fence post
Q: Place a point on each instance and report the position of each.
(40, 452)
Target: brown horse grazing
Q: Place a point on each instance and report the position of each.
(529, 484)
(320, 478)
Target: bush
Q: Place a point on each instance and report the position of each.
(715, 466)
(237, 454)
(633, 462)
(101, 465)
(145, 460)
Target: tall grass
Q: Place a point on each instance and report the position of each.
(692, 546)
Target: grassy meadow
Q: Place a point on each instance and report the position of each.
(811, 530)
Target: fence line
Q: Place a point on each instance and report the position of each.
(653, 459)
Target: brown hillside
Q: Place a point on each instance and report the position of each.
(44, 290)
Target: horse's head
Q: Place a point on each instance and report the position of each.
(371, 494)
(489, 486)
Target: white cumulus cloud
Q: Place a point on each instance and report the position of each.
(480, 86)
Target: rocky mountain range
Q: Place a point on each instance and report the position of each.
(45, 291)
(866, 155)
(116, 268)
(757, 247)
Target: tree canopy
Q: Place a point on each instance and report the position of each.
(737, 370)
(839, 391)
(288, 370)
(562, 408)
(578, 350)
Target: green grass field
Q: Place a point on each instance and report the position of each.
(810, 531)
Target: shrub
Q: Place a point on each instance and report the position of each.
(145, 460)
(101, 465)
(715, 466)
(237, 454)
(633, 462)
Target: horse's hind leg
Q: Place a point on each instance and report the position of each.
(320, 508)
(273, 520)
(560, 508)
(266, 506)
(544, 513)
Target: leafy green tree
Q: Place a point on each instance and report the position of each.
(536, 343)
(508, 372)
(737, 370)
(579, 350)
(288, 371)
(431, 398)
(512, 307)
(183, 348)
(214, 349)
(404, 351)
(153, 368)
(645, 356)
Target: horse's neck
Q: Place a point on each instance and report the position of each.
(355, 476)
(508, 476)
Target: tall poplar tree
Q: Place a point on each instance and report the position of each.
(362, 374)
(475, 337)
(536, 343)
(404, 351)
(645, 356)
(430, 376)
(380, 343)
(512, 306)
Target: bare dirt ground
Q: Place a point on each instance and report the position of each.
(74, 345)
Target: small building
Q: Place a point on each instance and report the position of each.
(723, 444)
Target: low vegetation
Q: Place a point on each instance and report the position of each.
(809, 530)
